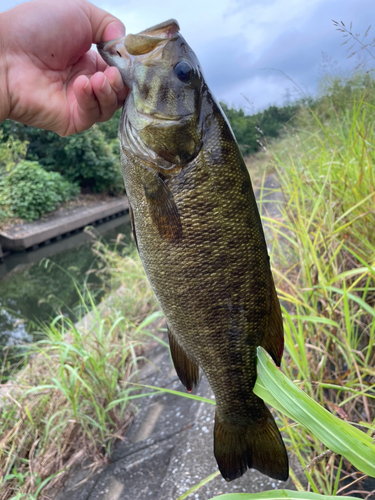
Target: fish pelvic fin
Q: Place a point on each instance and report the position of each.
(187, 369)
(258, 445)
(273, 340)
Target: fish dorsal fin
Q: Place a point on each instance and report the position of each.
(273, 340)
(187, 369)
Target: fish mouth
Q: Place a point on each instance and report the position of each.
(112, 48)
(164, 118)
(121, 52)
(168, 118)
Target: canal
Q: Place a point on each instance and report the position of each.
(37, 285)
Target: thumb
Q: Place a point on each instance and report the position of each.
(104, 26)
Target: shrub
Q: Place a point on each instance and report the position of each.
(91, 158)
(250, 130)
(29, 191)
(12, 150)
(91, 161)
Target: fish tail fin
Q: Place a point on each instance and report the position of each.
(258, 445)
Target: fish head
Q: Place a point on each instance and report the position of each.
(166, 83)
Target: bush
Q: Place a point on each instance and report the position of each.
(91, 161)
(250, 130)
(12, 151)
(29, 191)
(91, 158)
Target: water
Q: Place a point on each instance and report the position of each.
(35, 286)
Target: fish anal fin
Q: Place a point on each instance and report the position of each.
(163, 210)
(187, 368)
(273, 340)
(258, 445)
(131, 213)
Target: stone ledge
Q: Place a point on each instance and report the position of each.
(31, 234)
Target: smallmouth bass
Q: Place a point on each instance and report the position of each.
(200, 239)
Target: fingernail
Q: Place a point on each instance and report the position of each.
(115, 29)
(105, 88)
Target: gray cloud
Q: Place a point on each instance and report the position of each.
(225, 62)
(303, 52)
(236, 39)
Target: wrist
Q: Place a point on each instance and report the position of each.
(4, 70)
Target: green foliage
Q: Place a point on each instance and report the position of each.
(279, 495)
(337, 95)
(243, 127)
(323, 250)
(29, 191)
(110, 127)
(12, 151)
(91, 159)
(250, 130)
(77, 385)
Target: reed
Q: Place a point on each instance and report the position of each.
(323, 249)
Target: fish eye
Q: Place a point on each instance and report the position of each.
(184, 71)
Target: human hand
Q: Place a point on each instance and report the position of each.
(49, 77)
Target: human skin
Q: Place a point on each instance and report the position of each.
(49, 77)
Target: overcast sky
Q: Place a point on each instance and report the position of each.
(255, 49)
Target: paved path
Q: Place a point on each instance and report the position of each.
(168, 449)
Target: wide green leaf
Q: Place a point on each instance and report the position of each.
(341, 437)
(278, 495)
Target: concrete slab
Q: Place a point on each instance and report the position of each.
(31, 234)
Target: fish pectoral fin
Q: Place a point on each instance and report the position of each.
(273, 340)
(187, 368)
(131, 214)
(258, 446)
(163, 209)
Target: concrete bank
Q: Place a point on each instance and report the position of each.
(31, 234)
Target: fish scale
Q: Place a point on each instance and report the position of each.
(200, 239)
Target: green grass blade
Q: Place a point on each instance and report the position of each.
(278, 495)
(199, 485)
(176, 393)
(341, 437)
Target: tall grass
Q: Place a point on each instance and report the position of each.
(59, 409)
(73, 399)
(323, 244)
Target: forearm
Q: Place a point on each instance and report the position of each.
(4, 87)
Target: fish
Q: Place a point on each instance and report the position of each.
(199, 235)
